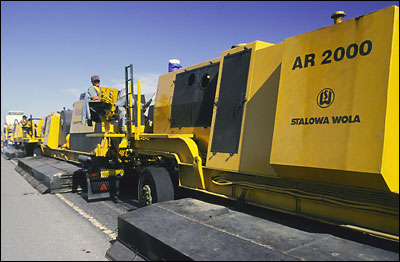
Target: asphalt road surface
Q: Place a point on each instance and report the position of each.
(44, 227)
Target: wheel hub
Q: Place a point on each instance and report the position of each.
(146, 198)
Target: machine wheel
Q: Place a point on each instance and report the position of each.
(154, 186)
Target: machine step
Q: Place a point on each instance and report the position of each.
(189, 229)
(49, 175)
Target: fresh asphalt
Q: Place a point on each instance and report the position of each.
(43, 227)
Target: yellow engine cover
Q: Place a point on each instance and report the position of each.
(52, 130)
(337, 117)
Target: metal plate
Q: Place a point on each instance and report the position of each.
(171, 230)
(228, 121)
(193, 98)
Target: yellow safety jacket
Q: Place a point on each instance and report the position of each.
(97, 89)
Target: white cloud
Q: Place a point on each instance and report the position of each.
(76, 92)
(119, 84)
(149, 82)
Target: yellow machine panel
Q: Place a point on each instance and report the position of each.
(108, 94)
(17, 132)
(260, 108)
(390, 156)
(76, 125)
(338, 104)
(245, 117)
(52, 130)
(37, 136)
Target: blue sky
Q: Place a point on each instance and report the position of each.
(50, 49)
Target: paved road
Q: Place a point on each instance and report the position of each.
(42, 227)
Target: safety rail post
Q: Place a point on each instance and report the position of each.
(126, 96)
(32, 131)
(139, 109)
(128, 102)
(131, 109)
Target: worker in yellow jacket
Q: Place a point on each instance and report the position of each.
(94, 90)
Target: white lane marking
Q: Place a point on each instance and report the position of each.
(92, 220)
(15, 163)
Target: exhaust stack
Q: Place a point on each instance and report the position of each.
(338, 17)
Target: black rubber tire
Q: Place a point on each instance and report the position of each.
(159, 181)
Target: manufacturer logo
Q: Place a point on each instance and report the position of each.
(325, 98)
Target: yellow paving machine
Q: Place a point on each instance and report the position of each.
(22, 140)
(308, 127)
